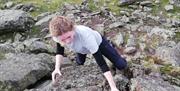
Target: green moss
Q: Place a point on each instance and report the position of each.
(92, 6)
(166, 69)
(2, 56)
(177, 37)
(126, 37)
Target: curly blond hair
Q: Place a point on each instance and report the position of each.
(59, 25)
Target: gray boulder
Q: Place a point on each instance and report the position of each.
(18, 71)
(15, 20)
(170, 54)
(151, 83)
(43, 23)
(34, 45)
(165, 34)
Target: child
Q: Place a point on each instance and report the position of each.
(83, 40)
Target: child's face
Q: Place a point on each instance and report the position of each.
(65, 38)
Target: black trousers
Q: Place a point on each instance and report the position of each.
(108, 51)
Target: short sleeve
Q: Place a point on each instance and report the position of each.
(90, 43)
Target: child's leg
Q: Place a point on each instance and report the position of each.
(80, 58)
(108, 51)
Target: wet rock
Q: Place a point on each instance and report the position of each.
(21, 70)
(151, 83)
(14, 21)
(169, 7)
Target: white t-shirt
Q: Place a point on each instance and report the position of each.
(86, 40)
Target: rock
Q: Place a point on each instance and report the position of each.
(169, 54)
(133, 7)
(44, 22)
(147, 9)
(131, 41)
(14, 21)
(124, 13)
(146, 3)
(125, 19)
(6, 48)
(169, 7)
(99, 28)
(41, 16)
(116, 24)
(118, 39)
(8, 5)
(151, 83)
(21, 70)
(29, 7)
(33, 45)
(138, 14)
(157, 1)
(172, 80)
(130, 50)
(175, 2)
(176, 22)
(126, 2)
(78, 78)
(165, 34)
(171, 2)
(68, 6)
(135, 70)
(121, 82)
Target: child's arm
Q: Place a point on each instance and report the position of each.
(105, 69)
(59, 60)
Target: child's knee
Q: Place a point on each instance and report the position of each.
(121, 64)
(79, 62)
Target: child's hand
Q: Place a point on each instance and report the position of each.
(56, 75)
(114, 89)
